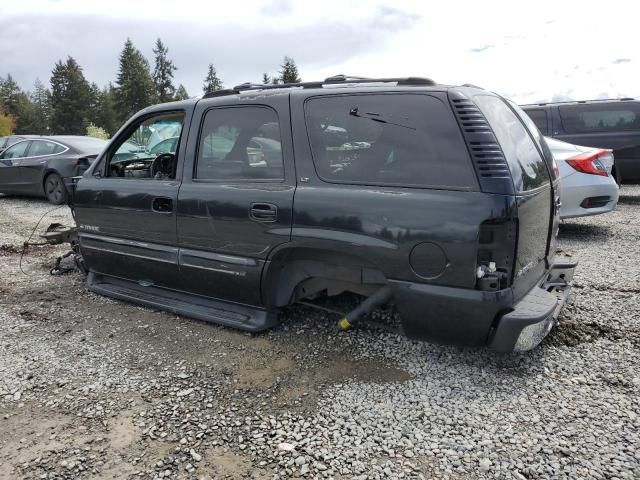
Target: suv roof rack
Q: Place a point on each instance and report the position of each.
(541, 104)
(335, 80)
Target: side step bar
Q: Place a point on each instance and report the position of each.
(228, 314)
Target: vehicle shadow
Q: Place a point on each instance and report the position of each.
(629, 199)
(582, 231)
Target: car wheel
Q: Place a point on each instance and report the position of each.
(54, 189)
(616, 176)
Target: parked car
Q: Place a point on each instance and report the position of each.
(610, 124)
(586, 184)
(43, 166)
(439, 199)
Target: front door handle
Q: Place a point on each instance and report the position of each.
(263, 212)
(162, 205)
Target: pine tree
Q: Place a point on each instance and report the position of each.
(7, 124)
(266, 79)
(106, 117)
(10, 94)
(70, 97)
(163, 73)
(41, 100)
(211, 82)
(181, 93)
(289, 72)
(135, 88)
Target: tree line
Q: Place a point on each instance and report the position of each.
(74, 106)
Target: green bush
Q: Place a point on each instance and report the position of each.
(97, 132)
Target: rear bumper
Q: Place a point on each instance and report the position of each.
(473, 317)
(535, 314)
(577, 187)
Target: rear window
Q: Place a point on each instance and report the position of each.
(387, 139)
(539, 117)
(593, 117)
(528, 168)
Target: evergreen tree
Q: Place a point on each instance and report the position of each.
(6, 124)
(10, 96)
(211, 82)
(93, 103)
(181, 93)
(135, 88)
(289, 72)
(163, 73)
(266, 79)
(41, 100)
(106, 116)
(70, 97)
(26, 118)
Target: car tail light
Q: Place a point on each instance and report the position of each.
(589, 163)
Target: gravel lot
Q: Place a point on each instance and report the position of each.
(95, 388)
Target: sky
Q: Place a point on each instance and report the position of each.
(527, 51)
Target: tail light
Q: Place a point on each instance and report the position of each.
(589, 163)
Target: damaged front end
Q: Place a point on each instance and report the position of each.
(57, 234)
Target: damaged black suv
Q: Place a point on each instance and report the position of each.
(439, 199)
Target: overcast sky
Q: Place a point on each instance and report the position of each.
(528, 51)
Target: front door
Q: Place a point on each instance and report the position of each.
(126, 207)
(235, 202)
(10, 161)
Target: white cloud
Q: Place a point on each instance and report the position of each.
(530, 52)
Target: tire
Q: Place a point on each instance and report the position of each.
(616, 176)
(54, 189)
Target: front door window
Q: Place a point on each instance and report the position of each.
(149, 151)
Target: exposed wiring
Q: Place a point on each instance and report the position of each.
(27, 244)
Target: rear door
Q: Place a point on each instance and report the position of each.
(32, 167)
(534, 192)
(236, 198)
(10, 161)
(126, 210)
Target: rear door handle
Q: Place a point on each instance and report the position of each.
(263, 212)
(162, 205)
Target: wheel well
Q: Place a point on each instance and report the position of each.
(297, 272)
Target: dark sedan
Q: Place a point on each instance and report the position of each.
(44, 166)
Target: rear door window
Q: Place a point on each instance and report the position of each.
(527, 167)
(539, 117)
(594, 117)
(43, 147)
(240, 144)
(388, 139)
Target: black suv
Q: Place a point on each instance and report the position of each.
(613, 124)
(439, 199)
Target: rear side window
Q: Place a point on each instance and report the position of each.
(539, 117)
(387, 139)
(593, 117)
(240, 144)
(527, 167)
(44, 147)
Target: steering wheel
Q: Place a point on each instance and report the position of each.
(164, 165)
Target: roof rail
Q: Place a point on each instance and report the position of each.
(541, 104)
(335, 80)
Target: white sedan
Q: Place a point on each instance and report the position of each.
(586, 184)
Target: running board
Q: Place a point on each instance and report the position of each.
(228, 314)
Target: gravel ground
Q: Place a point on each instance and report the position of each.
(95, 388)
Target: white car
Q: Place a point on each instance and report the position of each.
(586, 184)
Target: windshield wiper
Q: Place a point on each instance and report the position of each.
(377, 117)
